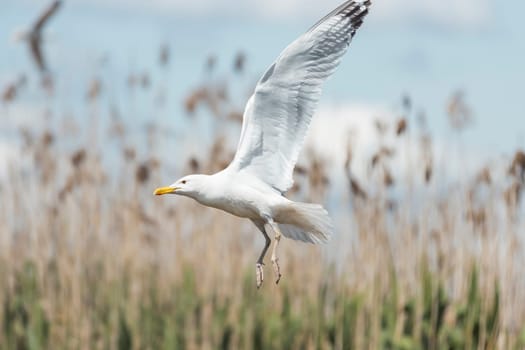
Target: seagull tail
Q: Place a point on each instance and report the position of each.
(305, 222)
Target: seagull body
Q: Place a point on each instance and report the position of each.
(275, 123)
(243, 195)
(238, 194)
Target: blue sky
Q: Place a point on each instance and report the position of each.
(426, 48)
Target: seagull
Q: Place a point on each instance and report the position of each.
(34, 35)
(275, 123)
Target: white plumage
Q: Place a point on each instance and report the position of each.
(276, 120)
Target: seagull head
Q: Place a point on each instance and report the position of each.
(190, 186)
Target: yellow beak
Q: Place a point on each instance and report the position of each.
(164, 190)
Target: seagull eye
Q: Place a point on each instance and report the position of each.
(183, 182)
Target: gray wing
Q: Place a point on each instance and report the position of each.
(46, 15)
(35, 39)
(278, 114)
(36, 53)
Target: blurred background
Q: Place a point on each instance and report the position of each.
(416, 150)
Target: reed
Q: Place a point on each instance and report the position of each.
(90, 260)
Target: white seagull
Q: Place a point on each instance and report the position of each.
(275, 123)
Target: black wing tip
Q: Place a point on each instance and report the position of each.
(48, 12)
(354, 9)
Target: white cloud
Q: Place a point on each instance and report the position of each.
(443, 13)
(9, 155)
(462, 13)
(334, 126)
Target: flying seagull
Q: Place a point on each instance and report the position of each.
(34, 35)
(275, 123)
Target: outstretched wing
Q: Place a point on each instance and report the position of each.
(46, 15)
(278, 114)
(35, 40)
(36, 52)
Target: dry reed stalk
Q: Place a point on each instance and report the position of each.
(239, 62)
(94, 89)
(401, 126)
(164, 55)
(9, 93)
(110, 262)
(459, 113)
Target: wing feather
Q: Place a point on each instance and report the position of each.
(46, 15)
(278, 114)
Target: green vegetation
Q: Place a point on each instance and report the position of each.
(283, 318)
(89, 259)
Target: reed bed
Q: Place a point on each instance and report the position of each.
(89, 259)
